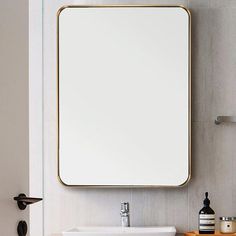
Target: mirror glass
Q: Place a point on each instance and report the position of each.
(124, 95)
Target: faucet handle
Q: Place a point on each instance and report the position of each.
(124, 207)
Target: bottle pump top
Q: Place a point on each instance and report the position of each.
(206, 201)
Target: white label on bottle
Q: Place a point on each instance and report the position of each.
(206, 227)
(207, 221)
(206, 216)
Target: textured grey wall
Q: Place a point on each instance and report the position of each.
(213, 147)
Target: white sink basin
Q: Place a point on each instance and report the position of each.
(118, 231)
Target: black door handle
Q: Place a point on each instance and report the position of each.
(23, 201)
(22, 228)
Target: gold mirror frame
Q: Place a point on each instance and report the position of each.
(189, 98)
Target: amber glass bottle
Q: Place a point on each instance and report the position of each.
(206, 218)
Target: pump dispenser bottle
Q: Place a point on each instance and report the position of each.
(206, 218)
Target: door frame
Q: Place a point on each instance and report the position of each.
(36, 221)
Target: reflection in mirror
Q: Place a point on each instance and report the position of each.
(124, 96)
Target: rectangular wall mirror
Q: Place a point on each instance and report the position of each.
(124, 96)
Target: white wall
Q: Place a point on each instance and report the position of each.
(214, 163)
(14, 137)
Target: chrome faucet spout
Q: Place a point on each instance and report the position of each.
(124, 213)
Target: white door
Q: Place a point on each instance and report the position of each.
(20, 114)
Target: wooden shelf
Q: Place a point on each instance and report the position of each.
(217, 233)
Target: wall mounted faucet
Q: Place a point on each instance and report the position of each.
(124, 213)
(225, 119)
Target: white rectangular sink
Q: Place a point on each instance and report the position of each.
(118, 231)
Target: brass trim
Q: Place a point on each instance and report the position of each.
(189, 99)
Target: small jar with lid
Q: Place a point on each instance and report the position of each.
(227, 225)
